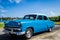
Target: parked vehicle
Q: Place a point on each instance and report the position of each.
(29, 25)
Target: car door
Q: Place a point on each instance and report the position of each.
(45, 19)
(40, 23)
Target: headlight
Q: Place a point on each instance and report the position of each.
(18, 23)
(18, 29)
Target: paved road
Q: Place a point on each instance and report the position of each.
(35, 37)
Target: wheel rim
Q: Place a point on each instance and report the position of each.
(28, 34)
(50, 29)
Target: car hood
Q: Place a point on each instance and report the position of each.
(23, 21)
(15, 22)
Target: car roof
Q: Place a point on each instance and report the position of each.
(37, 14)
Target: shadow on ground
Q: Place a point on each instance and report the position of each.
(7, 37)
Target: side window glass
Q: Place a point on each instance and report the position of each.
(39, 18)
(45, 18)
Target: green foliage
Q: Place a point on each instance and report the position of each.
(57, 23)
(57, 18)
(1, 24)
(9, 18)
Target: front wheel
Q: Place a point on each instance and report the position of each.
(29, 33)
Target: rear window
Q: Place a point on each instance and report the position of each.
(39, 18)
(45, 18)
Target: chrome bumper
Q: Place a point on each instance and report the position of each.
(16, 33)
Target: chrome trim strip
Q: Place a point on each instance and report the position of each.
(17, 33)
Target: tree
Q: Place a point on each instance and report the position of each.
(59, 18)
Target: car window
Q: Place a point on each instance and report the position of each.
(32, 17)
(45, 18)
(39, 18)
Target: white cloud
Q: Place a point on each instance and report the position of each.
(16, 1)
(49, 12)
(52, 13)
(2, 10)
(11, 1)
(3, 15)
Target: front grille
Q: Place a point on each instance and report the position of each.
(13, 29)
(8, 29)
(16, 30)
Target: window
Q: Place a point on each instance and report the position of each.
(45, 18)
(32, 17)
(39, 17)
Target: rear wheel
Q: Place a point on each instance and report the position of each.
(29, 33)
(50, 29)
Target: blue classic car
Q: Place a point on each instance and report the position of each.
(29, 25)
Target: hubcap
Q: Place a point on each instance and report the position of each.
(50, 29)
(28, 34)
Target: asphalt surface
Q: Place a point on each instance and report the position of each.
(4, 36)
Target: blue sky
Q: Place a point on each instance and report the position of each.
(19, 8)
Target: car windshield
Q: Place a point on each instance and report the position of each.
(32, 17)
